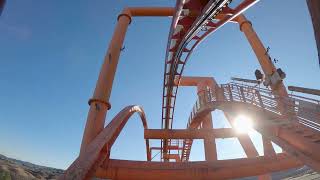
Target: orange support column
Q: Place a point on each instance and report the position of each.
(267, 147)
(265, 62)
(202, 83)
(208, 142)
(261, 52)
(99, 104)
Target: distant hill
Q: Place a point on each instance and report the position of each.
(12, 169)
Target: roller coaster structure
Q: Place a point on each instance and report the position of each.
(292, 122)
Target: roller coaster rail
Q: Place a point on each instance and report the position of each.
(290, 121)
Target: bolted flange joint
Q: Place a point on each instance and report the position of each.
(100, 101)
(125, 13)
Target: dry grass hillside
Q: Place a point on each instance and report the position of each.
(11, 169)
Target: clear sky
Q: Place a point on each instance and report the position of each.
(51, 53)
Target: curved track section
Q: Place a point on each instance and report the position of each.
(98, 150)
(193, 22)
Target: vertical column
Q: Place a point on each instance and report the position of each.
(267, 147)
(219, 91)
(209, 142)
(268, 151)
(99, 104)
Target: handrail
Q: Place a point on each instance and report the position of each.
(263, 98)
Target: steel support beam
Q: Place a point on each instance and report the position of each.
(245, 80)
(152, 11)
(286, 134)
(210, 149)
(305, 90)
(222, 169)
(262, 55)
(189, 133)
(249, 147)
(244, 140)
(99, 103)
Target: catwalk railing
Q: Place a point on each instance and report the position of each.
(305, 110)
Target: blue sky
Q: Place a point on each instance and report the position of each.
(51, 53)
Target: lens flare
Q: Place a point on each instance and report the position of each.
(243, 124)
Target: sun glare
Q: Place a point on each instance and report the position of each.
(243, 124)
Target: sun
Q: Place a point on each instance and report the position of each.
(243, 124)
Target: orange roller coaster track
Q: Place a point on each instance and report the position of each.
(293, 122)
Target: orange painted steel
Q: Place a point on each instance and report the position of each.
(263, 57)
(175, 157)
(170, 147)
(248, 146)
(304, 90)
(190, 133)
(98, 151)
(151, 11)
(244, 140)
(300, 141)
(99, 104)
(210, 149)
(225, 169)
(292, 122)
(202, 84)
(177, 52)
(268, 149)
